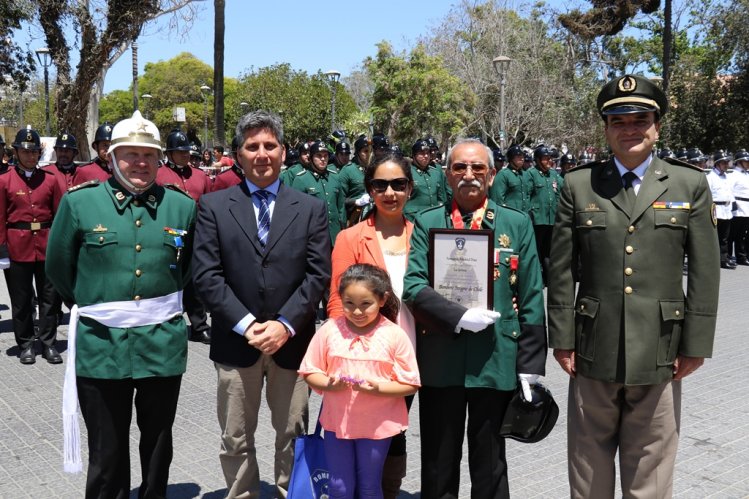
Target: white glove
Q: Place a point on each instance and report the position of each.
(363, 201)
(4, 263)
(526, 380)
(477, 319)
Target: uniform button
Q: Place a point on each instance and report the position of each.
(138, 273)
(138, 247)
(589, 222)
(673, 220)
(628, 290)
(136, 297)
(507, 260)
(34, 220)
(514, 333)
(629, 250)
(631, 229)
(677, 313)
(138, 223)
(628, 271)
(582, 307)
(101, 239)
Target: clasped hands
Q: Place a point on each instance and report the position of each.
(266, 336)
(358, 385)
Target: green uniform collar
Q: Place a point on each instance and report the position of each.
(121, 197)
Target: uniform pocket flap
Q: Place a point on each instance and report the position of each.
(671, 218)
(510, 328)
(100, 238)
(590, 219)
(587, 306)
(672, 310)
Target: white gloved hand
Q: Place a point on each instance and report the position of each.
(4, 263)
(363, 201)
(477, 319)
(526, 380)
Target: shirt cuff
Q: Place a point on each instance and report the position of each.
(243, 324)
(286, 323)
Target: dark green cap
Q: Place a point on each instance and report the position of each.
(631, 94)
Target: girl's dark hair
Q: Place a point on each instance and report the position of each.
(377, 281)
(371, 169)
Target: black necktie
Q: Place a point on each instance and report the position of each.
(629, 189)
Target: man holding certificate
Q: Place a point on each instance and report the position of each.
(471, 353)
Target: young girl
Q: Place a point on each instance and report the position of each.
(364, 365)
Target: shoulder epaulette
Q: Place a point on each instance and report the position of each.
(88, 183)
(592, 164)
(678, 162)
(301, 173)
(177, 188)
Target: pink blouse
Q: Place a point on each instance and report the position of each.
(385, 354)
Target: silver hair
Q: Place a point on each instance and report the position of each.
(470, 141)
(260, 119)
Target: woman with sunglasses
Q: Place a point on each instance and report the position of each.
(381, 239)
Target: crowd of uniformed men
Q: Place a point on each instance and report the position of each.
(528, 180)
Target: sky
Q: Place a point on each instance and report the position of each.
(331, 35)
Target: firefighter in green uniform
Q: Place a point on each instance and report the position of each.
(120, 251)
(322, 182)
(304, 164)
(351, 179)
(470, 357)
(512, 185)
(547, 184)
(430, 184)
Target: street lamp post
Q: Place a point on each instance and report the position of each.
(146, 103)
(333, 77)
(205, 91)
(245, 106)
(42, 54)
(501, 63)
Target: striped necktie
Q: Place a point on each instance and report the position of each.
(263, 218)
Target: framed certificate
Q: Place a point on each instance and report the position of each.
(460, 266)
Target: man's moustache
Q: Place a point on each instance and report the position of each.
(472, 183)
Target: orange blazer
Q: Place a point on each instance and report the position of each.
(357, 244)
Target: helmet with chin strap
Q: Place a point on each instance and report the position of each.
(134, 132)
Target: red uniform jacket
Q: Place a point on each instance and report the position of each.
(27, 206)
(93, 171)
(229, 178)
(191, 180)
(68, 177)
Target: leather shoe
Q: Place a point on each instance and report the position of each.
(742, 261)
(28, 355)
(51, 354)
(201, 336)
(726, 265)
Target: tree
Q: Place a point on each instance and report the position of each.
(102, 31)
(416, 95)
(219, 7)
(16, 63)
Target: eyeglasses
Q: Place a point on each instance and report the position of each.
(476, 168)
(397, 184)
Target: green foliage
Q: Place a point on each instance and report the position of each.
(16, 63)
(416, 95)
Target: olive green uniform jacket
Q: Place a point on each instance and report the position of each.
(631, 318)
(289, 173)
(430, 190)
(545, 195)
(491, 358)
(512, 188)
(324, 186)
(105, 246)
(351, 178)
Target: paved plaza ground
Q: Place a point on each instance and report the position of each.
(713, 458)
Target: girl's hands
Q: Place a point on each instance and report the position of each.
(335, 384)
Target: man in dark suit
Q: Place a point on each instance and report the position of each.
(631, 335)
(261, 262)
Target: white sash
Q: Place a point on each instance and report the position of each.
(119, 314)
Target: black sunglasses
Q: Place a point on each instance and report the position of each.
(397, 184)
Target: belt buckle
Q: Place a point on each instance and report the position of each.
(36, 226)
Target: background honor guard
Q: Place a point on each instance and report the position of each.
(351, 178)
(4, 157)
(512, 185)
(232, 176)
(720, 187)
(29, 197)
(131, 340)
(305, 163)
(430, 185)
(547, 185)
(468, 359)
(630, 335)
(342, 155)
(195, 183)
(66, 149)
(740, 222)
(99, 168)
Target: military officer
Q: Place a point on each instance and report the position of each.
(435, 155)
(567, 162)
(512, 185)
(630, 335)
(305, 163)
(66, 149)
(740, 222)
(99, 168)
(547, 184)
(380, 145)
(429, 185)
(321, 181)
(499, 160)
(470, 358)
(29, 197)
(720, 186)
(342, 155)
(351, 180)
(232, 176)
(195, 183)
(131, 339)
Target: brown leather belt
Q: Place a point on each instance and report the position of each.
(29, 225)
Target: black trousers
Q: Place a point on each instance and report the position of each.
(107, 409)
(442, 419)
(740, 237)
(543, 246)
(20, 278)
(724, 233)
(194, 308)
